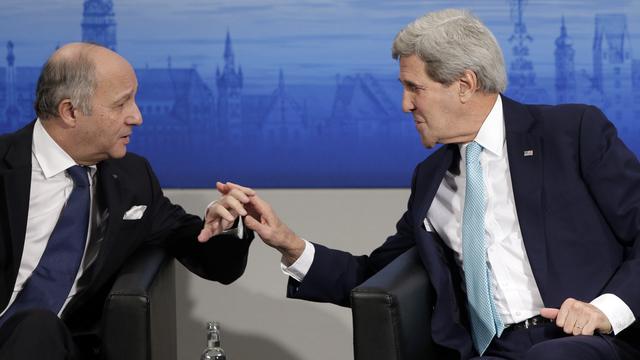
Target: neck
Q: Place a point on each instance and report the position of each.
(475, 112)
(64, 136)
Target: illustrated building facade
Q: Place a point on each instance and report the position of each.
(99, 23)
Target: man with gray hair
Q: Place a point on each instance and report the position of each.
(526, 219)
(76, 206)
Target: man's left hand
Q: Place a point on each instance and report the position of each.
(578, 318)
(222, 213)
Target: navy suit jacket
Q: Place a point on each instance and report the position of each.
(121, 184)
(578, 205)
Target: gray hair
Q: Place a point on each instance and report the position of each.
(65, 77)
(451, 41)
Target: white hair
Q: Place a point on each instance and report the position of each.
(451, 41)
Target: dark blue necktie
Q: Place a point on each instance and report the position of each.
(51, 281)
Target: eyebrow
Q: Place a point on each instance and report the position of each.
(410, 84)
(124, 97)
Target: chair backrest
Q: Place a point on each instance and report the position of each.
(139, 320)
(392, 312)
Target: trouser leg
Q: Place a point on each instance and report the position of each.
(36, 334)
(549, 342)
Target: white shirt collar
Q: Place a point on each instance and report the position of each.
(491, 134)
(52, 159)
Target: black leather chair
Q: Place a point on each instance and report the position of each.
(139, 320)
(392, 312)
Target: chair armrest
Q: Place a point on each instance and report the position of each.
(139, 320)
(392, 312)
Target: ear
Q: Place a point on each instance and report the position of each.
(67, 113)
(468, 84)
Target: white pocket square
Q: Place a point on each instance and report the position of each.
(135, 212)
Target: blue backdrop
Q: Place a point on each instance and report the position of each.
(304, 93)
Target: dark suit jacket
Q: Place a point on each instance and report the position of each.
(122, 183)
(578, 205)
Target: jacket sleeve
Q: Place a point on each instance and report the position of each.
(612, 174)
(223, 258)
(334, 273)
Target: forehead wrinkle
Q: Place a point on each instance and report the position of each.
(128, 93)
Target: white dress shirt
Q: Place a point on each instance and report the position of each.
(514, 288)
(51, 186)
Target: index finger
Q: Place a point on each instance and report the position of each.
(549, 313)
(244, 189)
(564, 311)
(261, 207)
(238, 195)
(225, 188)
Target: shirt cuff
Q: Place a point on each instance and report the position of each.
(617, 311)
(237, 231)
(299, 269)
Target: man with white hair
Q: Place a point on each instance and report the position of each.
(526, 220)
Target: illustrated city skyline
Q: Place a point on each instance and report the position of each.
(269, 124)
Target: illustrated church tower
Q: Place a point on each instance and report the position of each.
(11, 111)
(99, 23)
(613, 67)
(565, 68)
(229, 84)
(522, 76)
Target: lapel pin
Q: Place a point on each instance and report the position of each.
(528, 153)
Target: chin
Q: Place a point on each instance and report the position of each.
(118, 154)
(428, 144)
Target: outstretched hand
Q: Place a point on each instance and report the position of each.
(223, 213)
(273, 232)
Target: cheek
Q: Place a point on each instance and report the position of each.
(427, 105)
(110, 126)
(422, 112)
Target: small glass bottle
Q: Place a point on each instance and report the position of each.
(213, 351)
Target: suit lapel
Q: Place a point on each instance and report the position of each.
(114, 195)
(525, 147)
(15, 185)
(442, 160)
(16, 182)
(431, 251)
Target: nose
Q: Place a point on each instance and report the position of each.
(407, 101)
(136, 116)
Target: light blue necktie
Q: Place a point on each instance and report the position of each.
(485, 321)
